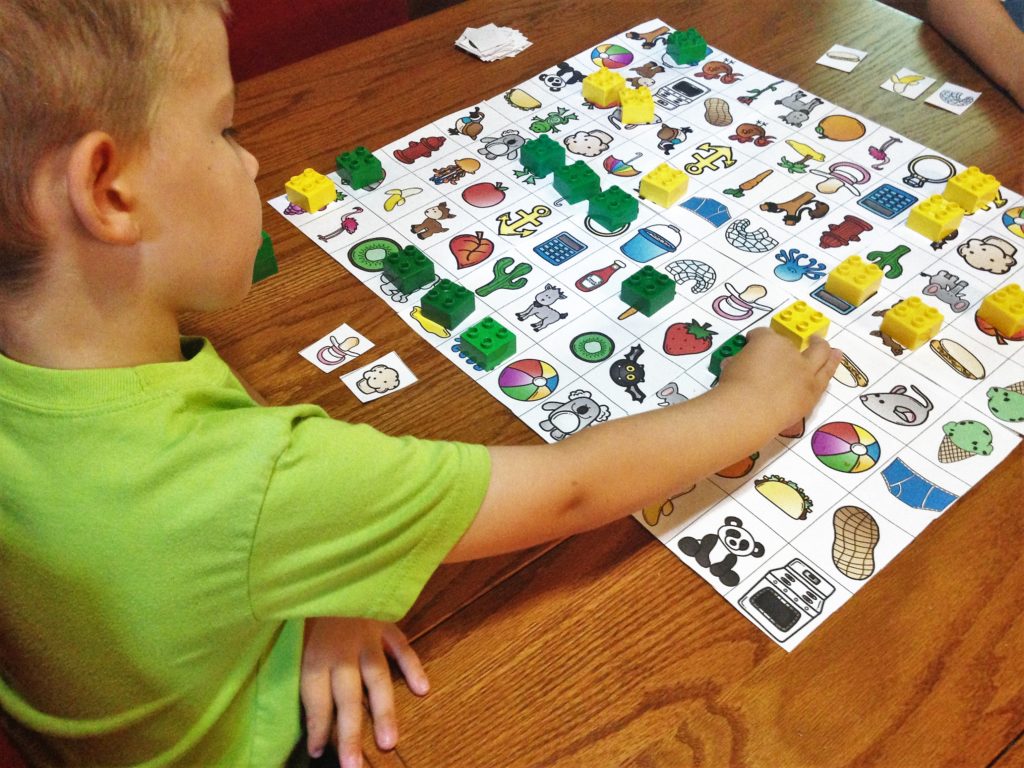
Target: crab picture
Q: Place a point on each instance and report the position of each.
(793, 265)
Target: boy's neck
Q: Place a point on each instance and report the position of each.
(66, 329)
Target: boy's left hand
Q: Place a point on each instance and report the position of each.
(340, 657)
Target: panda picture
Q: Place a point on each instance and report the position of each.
(737, 540)
(563, 75)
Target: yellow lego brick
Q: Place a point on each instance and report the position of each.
(935, 217)
(799, 322)
(637, 105)
(602, 87)
(310, 190)
(971, 189)
(854, 280)
(911, 322)
(664, 185)
(1004, 310)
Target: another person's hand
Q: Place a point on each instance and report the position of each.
(791, 381)
(341, 657)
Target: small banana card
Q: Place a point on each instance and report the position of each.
(908, 83)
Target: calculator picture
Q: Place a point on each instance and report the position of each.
(887, 201)
(559, 249)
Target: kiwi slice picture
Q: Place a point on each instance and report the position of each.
(592, 346)
(369, 255)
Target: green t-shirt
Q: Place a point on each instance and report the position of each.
(161, 539)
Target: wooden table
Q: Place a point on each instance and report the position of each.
(604, 650)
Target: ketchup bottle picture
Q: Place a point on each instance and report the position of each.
(598, 277)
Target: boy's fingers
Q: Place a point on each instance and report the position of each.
(347, 687)
(817, 352)
(408, 660)
(822, 358)
(377, 679)
(315, 693)
(827, 371)
(759, 331)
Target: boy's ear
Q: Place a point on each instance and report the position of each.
(100, 189)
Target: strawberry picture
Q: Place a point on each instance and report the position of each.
(690, 338)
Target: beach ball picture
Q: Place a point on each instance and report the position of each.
(1013, 220)
(528, 380)
(611, 56)
(845, 447)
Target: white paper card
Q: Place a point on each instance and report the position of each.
(492, 42)
(382, 377)
(842, 58)
(908, 83)
(342, 345)
(953, 98)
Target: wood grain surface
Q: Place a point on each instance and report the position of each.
(604, 650)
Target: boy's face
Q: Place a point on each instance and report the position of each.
(201, 211)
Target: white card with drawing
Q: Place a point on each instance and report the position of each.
(953, 98)
(341, 346)
(842, 58)
(382, 377)
(908, 83)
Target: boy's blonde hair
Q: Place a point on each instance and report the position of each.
(68, 67)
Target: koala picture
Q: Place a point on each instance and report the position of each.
(738, 542)
(993, 254)
(579, 412)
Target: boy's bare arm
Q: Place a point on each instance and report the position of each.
(540, 493)
(984, 31)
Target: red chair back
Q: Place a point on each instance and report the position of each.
(267, 34)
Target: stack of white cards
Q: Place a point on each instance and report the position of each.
(491, 42)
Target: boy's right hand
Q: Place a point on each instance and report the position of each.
(341, 657)
(771, 368)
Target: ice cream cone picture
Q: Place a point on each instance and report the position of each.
(964, 439)
(1007, 403)
(853, 548)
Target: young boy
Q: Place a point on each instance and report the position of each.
(161, 536)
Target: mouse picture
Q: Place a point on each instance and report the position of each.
(899, 407)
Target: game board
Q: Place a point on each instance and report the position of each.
(783, 186)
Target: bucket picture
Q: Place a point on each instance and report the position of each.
(651, 242)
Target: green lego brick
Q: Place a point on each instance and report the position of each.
(687, 47)
(266, 264)
(359, 168)
(648, 290)
(487, 343)
(577, 182)
(542, 156)
(408, 269)
(613, 208)
(448, 303)
(727, 348)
